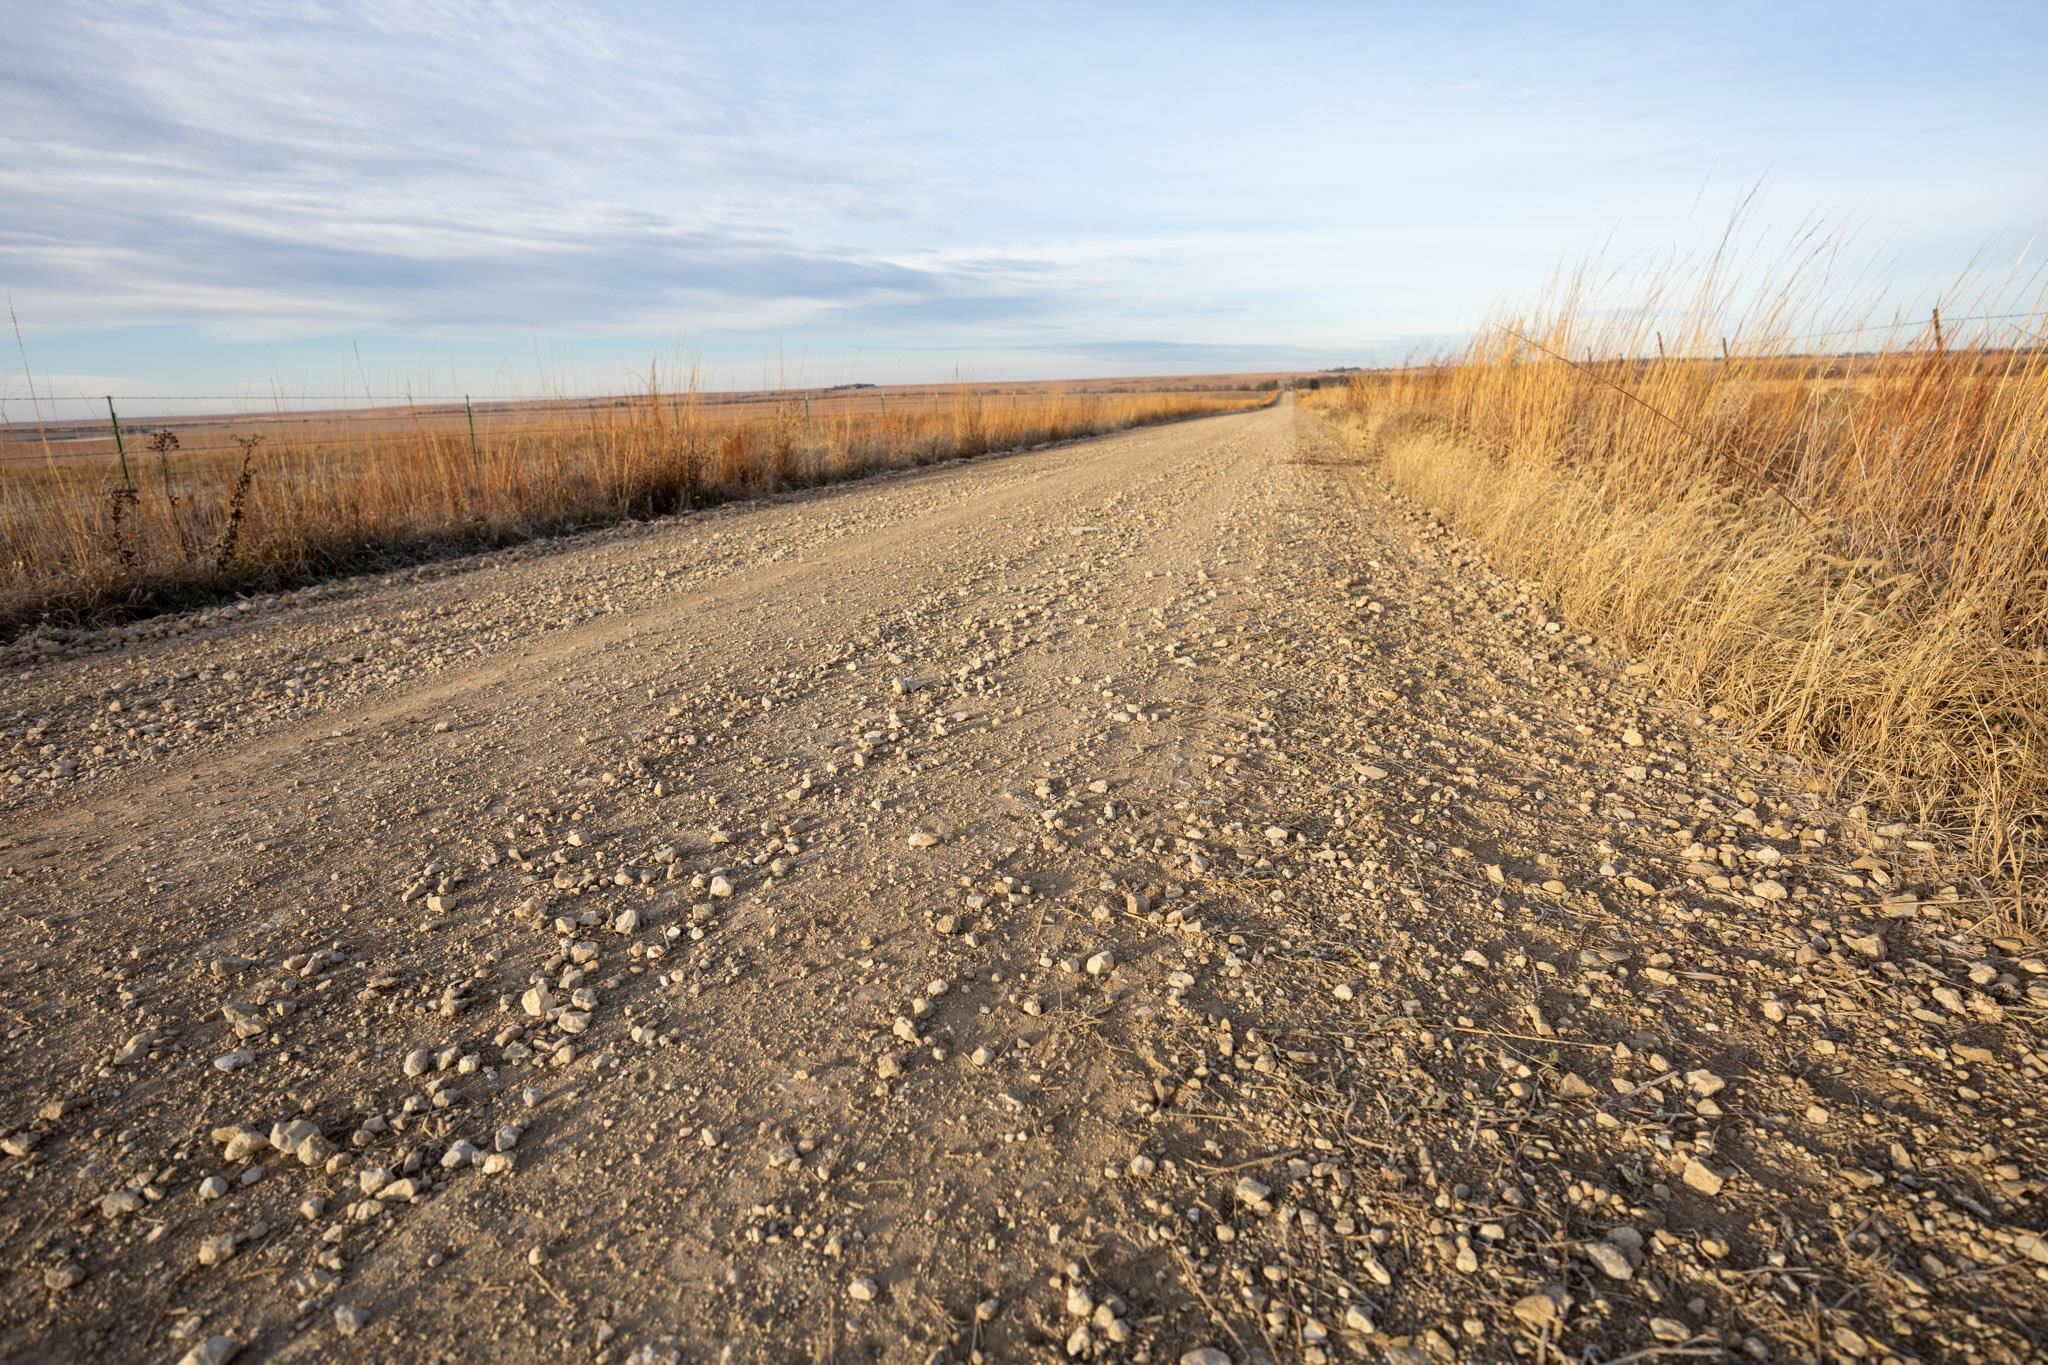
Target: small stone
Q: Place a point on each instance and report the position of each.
(233, 1061)
(217, 1249)
(121, 1202)
(240, 1143)
(921, 839)
(213, 1187)
(215, 1350)
(1702, 1178)
(1251, 1193)
(720, 887)
(1205, 1355)
(1542, 1310)
(1101, 963)
(418, 1062)
(460, 1154)
(862, 1290)
(287, 1136)
(1704, 1083)
(1610, 1260)
(349, 1319)
(59, 1278)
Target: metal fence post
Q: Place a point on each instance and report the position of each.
(120, 446)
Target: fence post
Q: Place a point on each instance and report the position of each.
(475, 459)
(120, 446)
(1937, 329)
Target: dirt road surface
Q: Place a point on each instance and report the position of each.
(1156, 899)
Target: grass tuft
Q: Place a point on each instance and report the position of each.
(311, 499)
(1847, 551)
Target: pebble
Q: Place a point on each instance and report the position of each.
(1610, 1260)
(121, 1202)
(861, 1290)
(59, 1278)
(1543, 1309)
(349, 1319)
(216, 1350)
(1703, 1178)
(1205, 1355)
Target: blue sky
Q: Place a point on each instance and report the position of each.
(502, 196)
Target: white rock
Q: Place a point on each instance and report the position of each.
(212, 1351)
(121, 1202)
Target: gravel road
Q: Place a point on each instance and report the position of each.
(1155, 899)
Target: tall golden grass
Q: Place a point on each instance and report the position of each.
(1849, 551)
(77, 543)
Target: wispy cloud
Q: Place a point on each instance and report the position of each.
(907, 178)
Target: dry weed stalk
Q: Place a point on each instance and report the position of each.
(1848, 550)
(354, 493)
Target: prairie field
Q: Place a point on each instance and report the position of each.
(1847, 552)
(183, 509)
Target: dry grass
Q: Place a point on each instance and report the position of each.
(292, 502)
(1850, 552)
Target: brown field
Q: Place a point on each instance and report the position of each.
(198, 506)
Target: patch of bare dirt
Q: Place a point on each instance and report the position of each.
(1153, 900)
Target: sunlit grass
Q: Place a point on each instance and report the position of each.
(1848, 551)
(79, 542)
